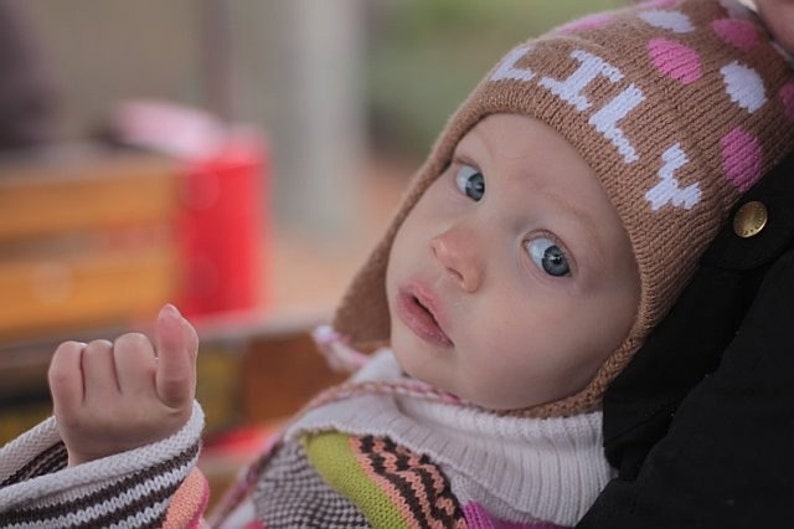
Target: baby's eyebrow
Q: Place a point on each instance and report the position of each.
(462, 159)
(593, 240)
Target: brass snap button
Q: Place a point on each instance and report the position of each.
(750, 219)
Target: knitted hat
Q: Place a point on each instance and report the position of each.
(678, 106)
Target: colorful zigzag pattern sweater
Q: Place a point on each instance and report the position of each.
(378, 451)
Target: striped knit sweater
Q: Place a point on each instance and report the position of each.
(132, 489)
(386, 451)
(378, 451)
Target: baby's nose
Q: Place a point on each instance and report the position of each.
(457, 251)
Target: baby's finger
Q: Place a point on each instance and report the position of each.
(135, 363)
(99, 370)
(176, 352)
(66, 377)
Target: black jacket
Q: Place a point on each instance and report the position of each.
(701, 423)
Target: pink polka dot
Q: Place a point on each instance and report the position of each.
(594, 21)
(675, 60)
(787, 97)
(741, 158)
(738, 33)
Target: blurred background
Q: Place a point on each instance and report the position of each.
(237, 157)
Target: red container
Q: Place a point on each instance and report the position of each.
(224, 229)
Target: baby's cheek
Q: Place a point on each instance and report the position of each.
(497, 381)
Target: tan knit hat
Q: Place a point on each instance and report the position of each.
(678, 107)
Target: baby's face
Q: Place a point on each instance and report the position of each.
(512, 279)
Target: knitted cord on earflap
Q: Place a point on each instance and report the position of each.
(679, 107)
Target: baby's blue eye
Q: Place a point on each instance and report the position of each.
(471, 182)
(548, 257)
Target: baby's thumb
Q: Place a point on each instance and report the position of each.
(177, 345)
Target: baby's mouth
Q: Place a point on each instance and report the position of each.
(428, 311)
(417, 314)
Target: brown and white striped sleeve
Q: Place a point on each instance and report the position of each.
(130, 490)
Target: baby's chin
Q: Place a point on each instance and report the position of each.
(501, 403)
(463, 390)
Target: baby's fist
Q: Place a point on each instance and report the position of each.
(110, 397)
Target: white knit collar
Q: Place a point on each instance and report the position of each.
(550, 469)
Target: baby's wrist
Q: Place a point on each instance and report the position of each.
(75, 457)
(74, 460)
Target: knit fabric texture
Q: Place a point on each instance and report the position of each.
(416, 459)
(678, 106)
(131, 489)
(391, 485)
(187, 505)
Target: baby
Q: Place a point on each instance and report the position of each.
(560, 213)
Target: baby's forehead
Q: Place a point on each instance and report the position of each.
(520, 138)
(523, 143)
(524, 156)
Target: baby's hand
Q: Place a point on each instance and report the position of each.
(115, 396)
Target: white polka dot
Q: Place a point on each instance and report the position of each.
(744, 85)
(674, 21)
